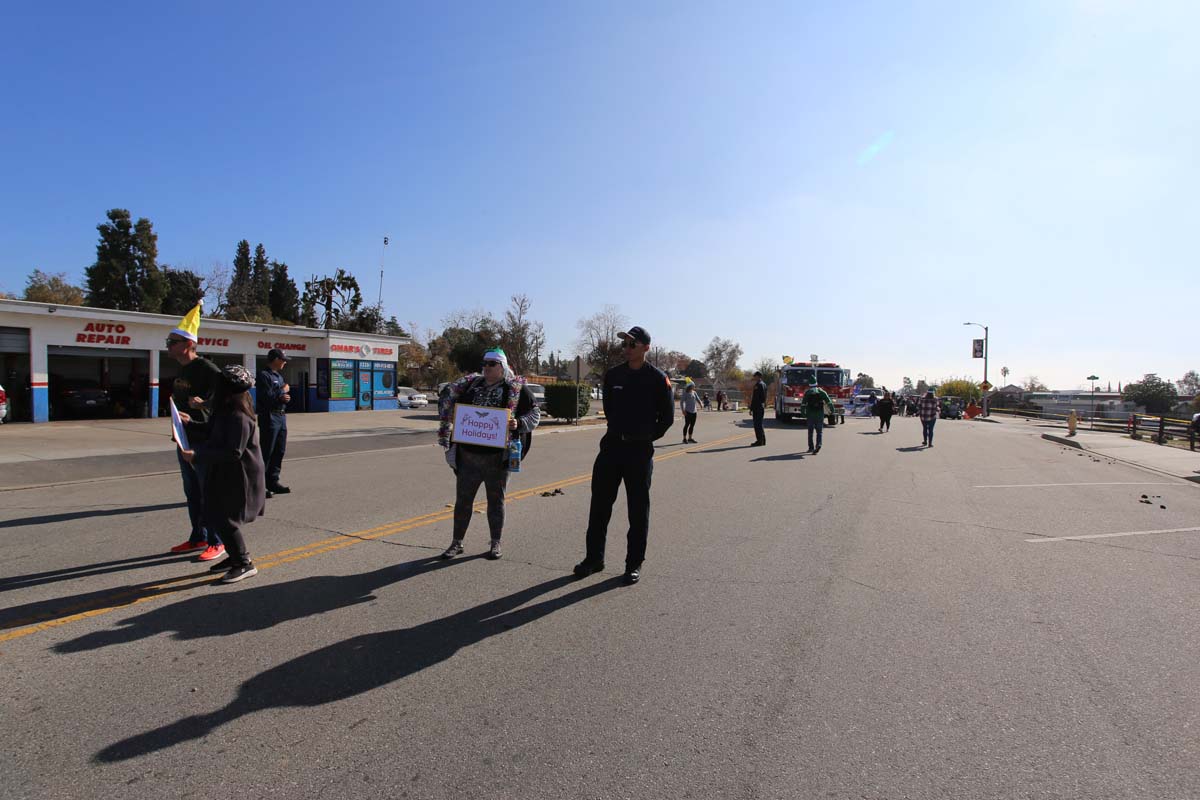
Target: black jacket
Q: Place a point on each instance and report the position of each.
(638, 404)
(235, 490)
(759, 401)
(268, 393)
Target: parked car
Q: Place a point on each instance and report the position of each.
(539, 394)
(415, 399)
(79, 397)
(3, 405)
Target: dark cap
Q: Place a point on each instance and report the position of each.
(275, 353)
(757, 374)
(637, 333)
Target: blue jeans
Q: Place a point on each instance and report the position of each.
(193, 490)
(927, 430)
(815, 420)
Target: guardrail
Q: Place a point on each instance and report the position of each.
(1158, 429)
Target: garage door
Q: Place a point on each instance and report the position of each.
(14, 340)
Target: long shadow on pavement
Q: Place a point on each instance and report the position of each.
(361, 663)
(920, 448)
(781, 457)
(8, 584)
(222, 612)
(46, 519)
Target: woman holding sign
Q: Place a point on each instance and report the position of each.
(484, 411)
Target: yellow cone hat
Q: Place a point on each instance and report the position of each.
(189, 326)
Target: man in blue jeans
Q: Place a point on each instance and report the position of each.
(193, 392)
(928, 409)
(271, 397)
(816, 400)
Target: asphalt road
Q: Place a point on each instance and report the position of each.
(876, 621)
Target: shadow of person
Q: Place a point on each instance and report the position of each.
(222, 613)
(780, 457)
(361, 663)
(50, 519)
(914, 449)
(870, 433)
(9, 583)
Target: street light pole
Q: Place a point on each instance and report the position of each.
(985, 362)
(1093, 379)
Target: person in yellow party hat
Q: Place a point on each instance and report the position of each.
(192, 393)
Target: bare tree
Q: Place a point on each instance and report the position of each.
(721, 357)
(216, 289)
(598, 341)
(662, 358)
(521, 337)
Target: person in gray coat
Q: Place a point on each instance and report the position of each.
(235, 477)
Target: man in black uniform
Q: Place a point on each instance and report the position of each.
(271, 397)
(758, 407)
(639, 410)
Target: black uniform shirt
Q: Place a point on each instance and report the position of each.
(198, 378)
(637, 403)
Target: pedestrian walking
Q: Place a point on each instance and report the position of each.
(720, 400)
(235, 491)
(689, 404)
(885, 407)
(758, 408)
(639, 410)
(707, 402)
(495, 387)
(271, 397)
(816, 401)
(192, 392)
(928, 408)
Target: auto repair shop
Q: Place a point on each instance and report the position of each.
(62, 362)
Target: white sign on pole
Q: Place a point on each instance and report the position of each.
(977, 348)
(486, 427)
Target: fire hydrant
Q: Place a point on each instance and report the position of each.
(1072, 422)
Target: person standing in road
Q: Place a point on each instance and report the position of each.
(816, 400)
(928, 409)
(758, 408)
(639, 410)
(231, 460)
(689, 404)
(192, 392)
(885, 407)
(496, 387)
(271, 397)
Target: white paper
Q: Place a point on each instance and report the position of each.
(180, 436)
(480, 425)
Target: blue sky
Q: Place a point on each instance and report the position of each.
(854, 180)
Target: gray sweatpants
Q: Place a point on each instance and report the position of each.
(474, 469)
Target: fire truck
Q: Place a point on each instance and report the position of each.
(794, 380)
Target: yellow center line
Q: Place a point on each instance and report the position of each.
(129, 597)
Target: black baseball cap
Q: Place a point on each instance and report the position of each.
(275, 353)
(637, 333)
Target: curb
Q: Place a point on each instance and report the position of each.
(1072, 443)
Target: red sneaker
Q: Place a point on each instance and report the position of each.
(211, 553)
(188, 546)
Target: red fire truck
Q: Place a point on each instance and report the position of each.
(794, 380)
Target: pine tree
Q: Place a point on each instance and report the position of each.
(125, 275)
(284, 298)
(240, 295)
(260, 278)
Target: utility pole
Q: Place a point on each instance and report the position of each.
(382, 251)
(985, 362)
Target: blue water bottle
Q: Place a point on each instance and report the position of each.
(514, 454)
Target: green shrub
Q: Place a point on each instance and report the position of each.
(568, 400)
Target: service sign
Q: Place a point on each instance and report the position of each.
(487, 427)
